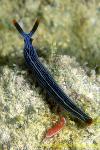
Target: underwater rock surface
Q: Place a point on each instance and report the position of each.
(68, 42)
(25, 115)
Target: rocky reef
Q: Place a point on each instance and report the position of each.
(67, 42)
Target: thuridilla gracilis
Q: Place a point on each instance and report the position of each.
(44, 77)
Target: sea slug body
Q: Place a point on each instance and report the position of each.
(54, 130)
(46, 81)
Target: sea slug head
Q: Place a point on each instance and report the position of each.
(27, 36)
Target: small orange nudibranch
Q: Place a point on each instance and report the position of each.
(54, 130)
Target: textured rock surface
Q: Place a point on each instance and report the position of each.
(25, 115)
(67, 27)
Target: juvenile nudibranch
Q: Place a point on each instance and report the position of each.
(44, 77)
(54, 130)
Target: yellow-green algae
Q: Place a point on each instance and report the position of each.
(66, 27)
(73, 25)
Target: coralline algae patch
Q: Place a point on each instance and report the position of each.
(22, 110)
(25, 115)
